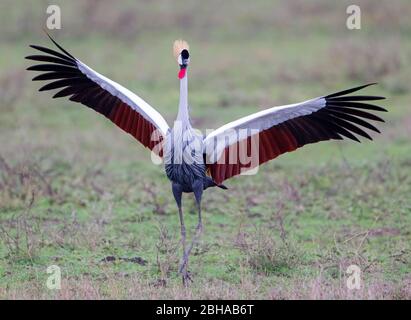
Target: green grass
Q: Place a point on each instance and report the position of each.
(75, 190)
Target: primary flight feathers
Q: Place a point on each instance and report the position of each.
(82, 84)
(286, 128)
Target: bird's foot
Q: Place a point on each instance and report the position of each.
(186, 277)
(199, 228)
(183, 270)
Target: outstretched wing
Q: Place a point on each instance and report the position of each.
(82, 84)
(250, 141)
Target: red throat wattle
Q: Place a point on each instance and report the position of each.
(182, 73)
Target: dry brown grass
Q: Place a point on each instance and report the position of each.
(114, 287)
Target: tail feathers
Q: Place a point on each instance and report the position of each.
(210, 183)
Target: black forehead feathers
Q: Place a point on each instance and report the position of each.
(184, 54)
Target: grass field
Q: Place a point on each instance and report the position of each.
(78, 193)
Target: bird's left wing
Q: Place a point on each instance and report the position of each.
(246, 143)
(82, 84)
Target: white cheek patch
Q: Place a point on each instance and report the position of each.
(180, 60)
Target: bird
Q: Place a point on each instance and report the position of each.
(193, 161)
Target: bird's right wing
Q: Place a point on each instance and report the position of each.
(82, 84)
(246, 143)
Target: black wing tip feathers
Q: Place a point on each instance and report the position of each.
(58, 46)
(343, 94)
(64, 54)
(342, 99)
(58, 66)
(347, 91)
(346, 113)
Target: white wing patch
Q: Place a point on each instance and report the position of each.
(218, 140)
(128, 97)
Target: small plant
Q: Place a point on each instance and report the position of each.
(19, 235)
(267, 255)
(18, 181)
(166, 254)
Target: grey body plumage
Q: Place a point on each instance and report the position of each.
(183, 158)
(184, 161)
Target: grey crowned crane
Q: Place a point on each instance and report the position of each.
(194, 162)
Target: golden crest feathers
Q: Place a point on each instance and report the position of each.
(179, 45)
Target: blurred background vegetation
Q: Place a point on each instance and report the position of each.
(74, 189)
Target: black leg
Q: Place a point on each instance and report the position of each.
(178, 192)
(198, 192)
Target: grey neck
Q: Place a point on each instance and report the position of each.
(183, 104)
